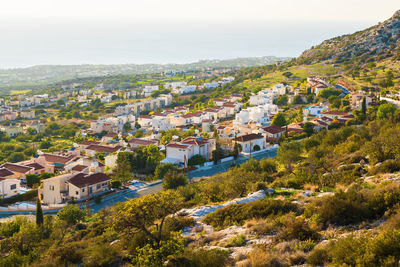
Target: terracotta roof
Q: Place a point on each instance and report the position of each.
(337, 113)
(16, 167)
(178, 146)
(195, 141)
(82, 180)
(142, 142)
(79, 168)
(5, 172)
(88, 142)
(273, 129)
(36, 166)
(144, 117)
(248, 137)
(105, 149)
(229, 104)
(57, 159)
(110, 135)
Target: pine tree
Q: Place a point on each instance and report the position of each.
(364, 106)
(39, 213)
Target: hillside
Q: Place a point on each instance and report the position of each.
(46, 74)
(379, 42)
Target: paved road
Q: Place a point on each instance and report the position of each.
(124, 195)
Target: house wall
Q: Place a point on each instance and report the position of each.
(9, 187)
(52, 188)
(79, 193)
(179, 153)
(246, 145)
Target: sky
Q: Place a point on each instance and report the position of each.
(173, 31)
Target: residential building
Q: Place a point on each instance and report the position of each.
(82, 186)
(248, 142)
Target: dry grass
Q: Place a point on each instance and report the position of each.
(260, 226)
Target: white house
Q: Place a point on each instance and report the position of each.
(249, 142)
(176, 152)
(314, 110)
(9, 187)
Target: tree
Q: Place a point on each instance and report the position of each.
(308, 128)
(173, 180)
(256, 148)
(282, 100)
(279, 119)
(39, 213)
(217, 154)
(147, 213)
(385, 111)
(127, 126)
(16, 157)
(31, 180)
(297, 99)
(364, 106)
(31, 131)
(163, 169)
(71, 214)
(235, 150)
(196, 160)
(124, 165)
(289, 153)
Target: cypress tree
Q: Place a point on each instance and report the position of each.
(39, 213)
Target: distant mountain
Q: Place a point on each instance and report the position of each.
(375, 43)
(45, 74)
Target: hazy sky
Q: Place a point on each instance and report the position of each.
(206, 9)
(34, 32)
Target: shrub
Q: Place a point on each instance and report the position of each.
(71, 214)
(116, 184)
(163, 169)
(173, 180)
(236, 214)
(208, 257)
(30, 195)
(297, 228)
(318, 257)
(97, 200)
(196, 160)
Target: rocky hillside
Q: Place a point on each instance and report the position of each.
(379, 42)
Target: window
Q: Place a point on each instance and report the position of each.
(13, 186)
(83, 190)
(51, 187)
(76, 192)
(98, 186)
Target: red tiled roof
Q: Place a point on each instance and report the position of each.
(194, 141)
(248, 137)
(57, 159)
(79, 168)
(82, 180)
(142, 142)
(105, 149)
(5, 172)
(36, 166)
(273, 129)
(144, 117)
(16, 167)
(88, 142)
(110, 135)
(178, 145)
(336, 113)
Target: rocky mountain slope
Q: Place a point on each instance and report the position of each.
(379, 42)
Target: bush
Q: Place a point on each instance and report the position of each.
(32, 179)
(173, 180)
(97, 200)
(318, 257)
(30, 195)
(208, 257)
(116, 184)
(237, 214)
(196, 160)
(163, 169)
(71, 214)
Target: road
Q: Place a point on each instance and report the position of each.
(124, 195)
